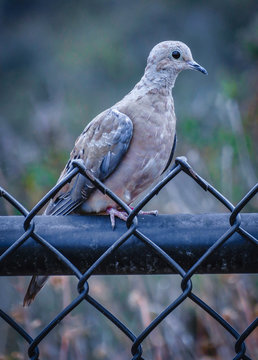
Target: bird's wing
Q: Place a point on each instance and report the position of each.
(101, 146)
(171, 155)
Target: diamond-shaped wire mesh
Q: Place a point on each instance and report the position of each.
(30, 231)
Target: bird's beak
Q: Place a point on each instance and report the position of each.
(194, 66)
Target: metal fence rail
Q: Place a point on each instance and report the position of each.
(183, 237)
(230, 247)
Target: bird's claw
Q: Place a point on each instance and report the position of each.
(150, 212)
(116, 213)
(113, 213)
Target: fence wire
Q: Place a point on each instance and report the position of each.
(30, 231)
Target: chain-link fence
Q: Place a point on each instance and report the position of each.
(166, 259)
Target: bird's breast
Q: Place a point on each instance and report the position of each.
(146, 158)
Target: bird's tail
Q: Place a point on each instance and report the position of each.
(36, 283)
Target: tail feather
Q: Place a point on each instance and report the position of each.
(66, 208)
(36, 283)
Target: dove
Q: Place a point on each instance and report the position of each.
(127, 146)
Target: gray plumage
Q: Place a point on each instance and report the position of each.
(127, 146)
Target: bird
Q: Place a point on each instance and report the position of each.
(127, 146)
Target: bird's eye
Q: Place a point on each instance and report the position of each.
(176, 54)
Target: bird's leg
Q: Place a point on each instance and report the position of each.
(113, 212)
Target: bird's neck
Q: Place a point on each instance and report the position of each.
(158, 81)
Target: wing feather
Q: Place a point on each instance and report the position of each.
(101, 146)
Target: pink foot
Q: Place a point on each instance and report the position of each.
(116, 213)
(113, 212)
(150, 212)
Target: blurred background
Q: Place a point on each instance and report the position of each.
(61, 63)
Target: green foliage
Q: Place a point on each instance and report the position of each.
(230, 88)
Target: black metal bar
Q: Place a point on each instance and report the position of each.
(83, 239)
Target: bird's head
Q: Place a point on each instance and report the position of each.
(169, 58)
